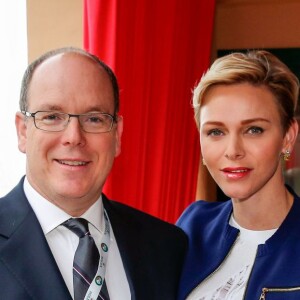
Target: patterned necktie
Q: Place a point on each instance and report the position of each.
(86, 259)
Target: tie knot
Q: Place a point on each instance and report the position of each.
(78, 225)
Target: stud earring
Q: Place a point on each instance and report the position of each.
(286, 155)
(203, 162)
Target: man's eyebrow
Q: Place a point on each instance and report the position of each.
(51, 107)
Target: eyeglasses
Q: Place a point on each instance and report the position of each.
(58, 121)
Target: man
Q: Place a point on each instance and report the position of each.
(69, 129)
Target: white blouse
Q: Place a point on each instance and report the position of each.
(230, 280)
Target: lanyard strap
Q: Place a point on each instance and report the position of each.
(97, 283)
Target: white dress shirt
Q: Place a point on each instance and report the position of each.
(63, 242)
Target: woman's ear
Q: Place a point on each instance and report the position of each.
(290, 137)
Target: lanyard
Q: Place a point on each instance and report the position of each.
(96, 285)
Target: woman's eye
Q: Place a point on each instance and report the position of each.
(214, 132)
(255, 130)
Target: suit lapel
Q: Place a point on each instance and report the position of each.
(25, 252)
(126, 234)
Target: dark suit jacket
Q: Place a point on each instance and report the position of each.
(152, 252)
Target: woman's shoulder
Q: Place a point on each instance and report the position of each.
(202, 211)
(203, 206)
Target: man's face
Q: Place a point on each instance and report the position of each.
(69, 167)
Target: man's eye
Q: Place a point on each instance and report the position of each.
(52, 117)
(96, 119)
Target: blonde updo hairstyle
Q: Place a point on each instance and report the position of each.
(260, 68)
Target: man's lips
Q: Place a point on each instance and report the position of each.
(72, 163)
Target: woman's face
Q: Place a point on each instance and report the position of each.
(242, 139)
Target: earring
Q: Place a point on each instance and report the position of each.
(203, 162)
(286, 155)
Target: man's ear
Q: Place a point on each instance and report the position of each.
(20, 123)
(290, 137)
(119, 131)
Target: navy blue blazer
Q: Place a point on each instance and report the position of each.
(152, 252)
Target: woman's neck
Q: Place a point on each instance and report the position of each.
(263, 212)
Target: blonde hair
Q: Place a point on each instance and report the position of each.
(259, 68)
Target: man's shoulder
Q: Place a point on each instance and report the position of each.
(137, 218)
(16, 194)
(14, 208)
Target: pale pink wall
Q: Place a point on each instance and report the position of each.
(52, 24)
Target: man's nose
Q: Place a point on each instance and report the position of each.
(73, 133)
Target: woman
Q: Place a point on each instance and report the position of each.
(248, 247)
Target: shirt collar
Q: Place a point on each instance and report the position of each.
(50, 216)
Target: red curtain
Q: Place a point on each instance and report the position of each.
(158, 50)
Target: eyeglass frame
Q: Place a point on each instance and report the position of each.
(114, 119)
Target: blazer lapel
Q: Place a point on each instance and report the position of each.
(25, 252)
(126, 235)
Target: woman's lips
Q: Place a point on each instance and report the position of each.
(237, 172)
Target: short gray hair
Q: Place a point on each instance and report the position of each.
(23, 102)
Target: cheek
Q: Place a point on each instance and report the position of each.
(268, 149)
(211, 152)
(105, 147)
(267, 156)
(39, 144)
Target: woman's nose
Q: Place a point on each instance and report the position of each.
(235, 148)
